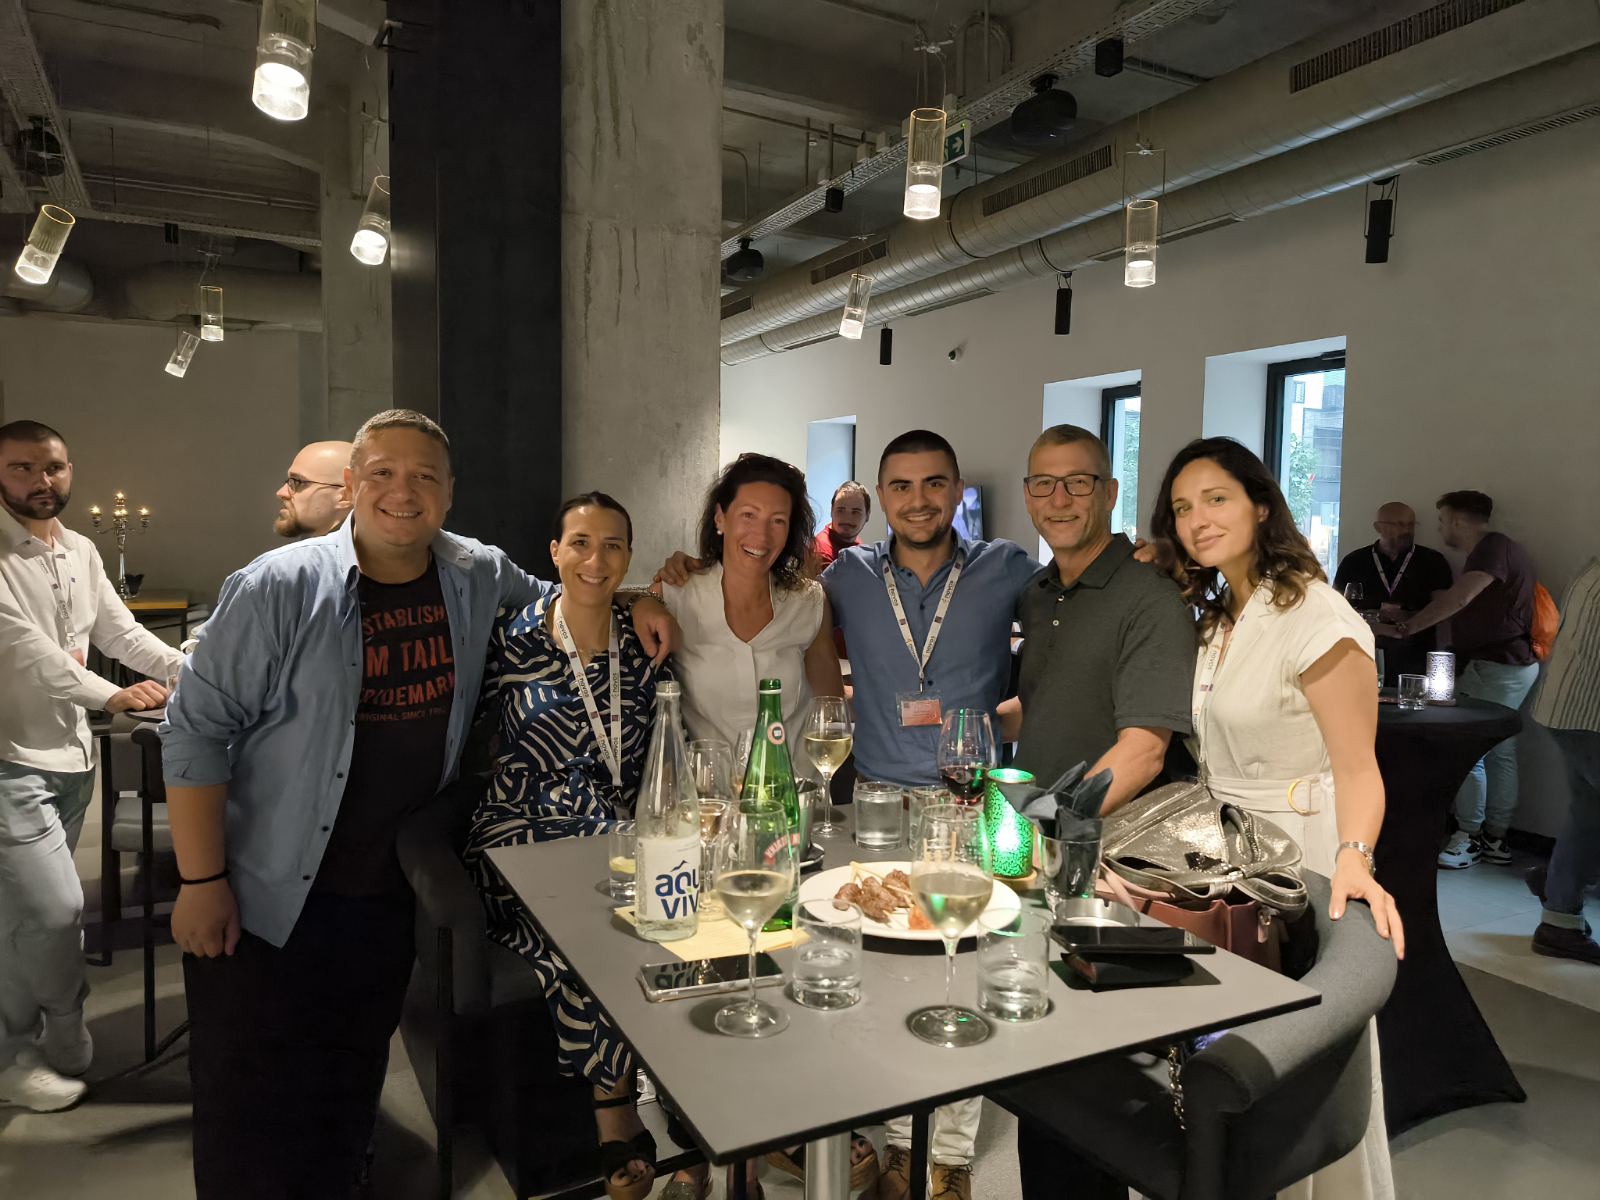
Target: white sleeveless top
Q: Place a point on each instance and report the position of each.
(721, 675)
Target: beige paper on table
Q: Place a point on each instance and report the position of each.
(718, 938)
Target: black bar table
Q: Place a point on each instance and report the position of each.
(1438, 1052)
(831, 1072)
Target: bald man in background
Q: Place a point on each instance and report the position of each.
(313, 493)
(1397, 578)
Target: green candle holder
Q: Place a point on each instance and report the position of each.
(1010, 833)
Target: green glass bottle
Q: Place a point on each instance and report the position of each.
(769, 775)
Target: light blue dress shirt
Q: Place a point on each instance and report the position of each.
(971, 663)
(267, 702)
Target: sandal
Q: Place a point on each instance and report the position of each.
(863, 1173)
(616, 1155)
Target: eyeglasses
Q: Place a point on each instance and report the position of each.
(1042, 487)
(296, 485)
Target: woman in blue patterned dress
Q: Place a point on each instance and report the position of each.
(558, 774)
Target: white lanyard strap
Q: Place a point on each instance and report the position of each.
(610, 749)
(1205, 682)
(932, 639)
(63, 599)
(1398, 575)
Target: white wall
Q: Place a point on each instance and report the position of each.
(1472, 355)
(204, 453)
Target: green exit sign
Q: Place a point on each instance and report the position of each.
(957, 142)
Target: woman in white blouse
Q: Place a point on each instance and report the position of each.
(753, 615)
(1285, 705)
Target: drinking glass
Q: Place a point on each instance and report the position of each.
(1013, 965)
(1355, 593)
(879, 809)
(711, 768)
(713, 824)
(966, 750)
(951, 881)
(919, 798)
(741, 752)
(827, 965)
(756, 871)
(827, 739)
(621, 862)
(1413, 692)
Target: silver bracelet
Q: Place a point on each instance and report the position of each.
(1362, 849)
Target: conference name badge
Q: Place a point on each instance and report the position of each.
(918, 709)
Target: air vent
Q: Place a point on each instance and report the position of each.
(951, 302)
(1511, 135)
(734, 307)
(827, 337)
(850, 261)
(1048, 181)
(1403, 34)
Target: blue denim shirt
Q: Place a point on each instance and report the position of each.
(971, 664)
(267, 702)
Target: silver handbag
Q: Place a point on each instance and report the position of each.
(1184, 843)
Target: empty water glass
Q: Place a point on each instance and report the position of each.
(621, 862)
(713, 824)
(827, 960)
(1413, 692)
(1069, 865)
(1013, 965)
(879, 809)
(917, 799)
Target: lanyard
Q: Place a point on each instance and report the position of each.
(932, 639)
(63, 598)
(1398, 575)
(610, 750)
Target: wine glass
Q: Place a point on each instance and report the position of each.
(756, 871)
(711, 768)
(741, 752)
(1355, 593)
(827, 740)
(952, 878)
(967, 749)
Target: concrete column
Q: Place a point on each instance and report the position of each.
(641, 217)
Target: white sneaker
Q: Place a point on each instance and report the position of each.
(29, 1083)
(1461, 851)
(66, 1044)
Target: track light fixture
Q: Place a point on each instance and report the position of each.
(1108, 57)
(885, 346)
(1064, 305)
(1381, 197)
(833, 199)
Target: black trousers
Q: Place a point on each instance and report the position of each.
(1052, 1170)
(288, 1049)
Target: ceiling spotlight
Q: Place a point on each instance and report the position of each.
(924, 163)
(1064, 305)
(885, 346)
(287, 36)
(1108, 57)
(370, 245)
(1380, 217)
(1047, 117)
(854, 320)
(833, 199)
(37, 262)
(744, 265)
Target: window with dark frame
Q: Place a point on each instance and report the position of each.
(1119, 429)
(1304, 444)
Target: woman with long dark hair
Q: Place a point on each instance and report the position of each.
(1285, 704)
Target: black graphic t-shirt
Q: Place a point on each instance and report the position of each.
(402, 721)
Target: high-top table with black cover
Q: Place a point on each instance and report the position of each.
(1438, 1052)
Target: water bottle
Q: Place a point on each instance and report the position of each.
(667, 825)
(770, 776)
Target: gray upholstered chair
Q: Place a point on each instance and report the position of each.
(1267, 1104)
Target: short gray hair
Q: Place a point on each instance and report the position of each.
(1072, 435)
(399, 418)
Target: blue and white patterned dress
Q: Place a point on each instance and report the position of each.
(551, 781)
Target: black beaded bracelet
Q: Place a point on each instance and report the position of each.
(222, 874)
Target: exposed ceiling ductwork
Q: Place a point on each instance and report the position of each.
(70, 290)
(166, 292)
(1314, 90)
(1543, 97)
(27, 92)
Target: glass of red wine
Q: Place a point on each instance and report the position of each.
(967, 751)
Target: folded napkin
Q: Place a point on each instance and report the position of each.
(718, 938)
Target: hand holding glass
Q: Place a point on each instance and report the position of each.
(827, 739)
(951, 880)
(756, 872)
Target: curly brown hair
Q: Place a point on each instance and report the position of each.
(1283, 556)
(788, 571)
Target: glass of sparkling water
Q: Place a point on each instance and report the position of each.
(1413, 692)
(1013, 965)
(827, 963)
(879, 809)
(621, 861)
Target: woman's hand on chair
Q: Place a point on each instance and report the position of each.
(1353, 881)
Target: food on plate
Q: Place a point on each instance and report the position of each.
(881, 897)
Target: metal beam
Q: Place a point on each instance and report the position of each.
(26, 89)
(192, 129)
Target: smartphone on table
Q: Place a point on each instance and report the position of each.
(707, 976)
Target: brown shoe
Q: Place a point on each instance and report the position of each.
(952, 1183)
(894, 1179)
(1556, 941)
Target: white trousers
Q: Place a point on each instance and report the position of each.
(952, 1136)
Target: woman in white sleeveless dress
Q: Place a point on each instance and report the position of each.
(1285, 707)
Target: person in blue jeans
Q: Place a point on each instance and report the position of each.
(1569, 707)
(1490, 610)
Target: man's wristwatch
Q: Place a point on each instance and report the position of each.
(1362, 849)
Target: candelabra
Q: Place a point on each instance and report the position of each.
(119, 525)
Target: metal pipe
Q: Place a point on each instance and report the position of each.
(1140, 66)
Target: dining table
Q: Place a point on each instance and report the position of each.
(832, 1072)
(1439, 1054)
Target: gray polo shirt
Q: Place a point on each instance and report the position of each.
(1114, 651)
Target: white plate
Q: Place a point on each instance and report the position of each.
(827, 884)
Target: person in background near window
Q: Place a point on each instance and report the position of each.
(313, 496)
(1397, 578)
(1490, 610)
(55, 602)
(851, 508)
(1569, 707)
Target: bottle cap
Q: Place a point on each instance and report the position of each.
(669, 688)
(769, 686)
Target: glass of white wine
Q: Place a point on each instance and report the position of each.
(827, 739)
(756, 870)
(952, 878)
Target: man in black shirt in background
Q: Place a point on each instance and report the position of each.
(1397, 578)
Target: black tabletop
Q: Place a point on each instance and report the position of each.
(1466, 716)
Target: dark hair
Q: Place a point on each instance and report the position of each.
(589, 500)
(851, 488)
(1283, 556)
(1472, 504)
(29, 431)
(920, 441)
(1072, 435)
(789, 569)
(399, 418)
